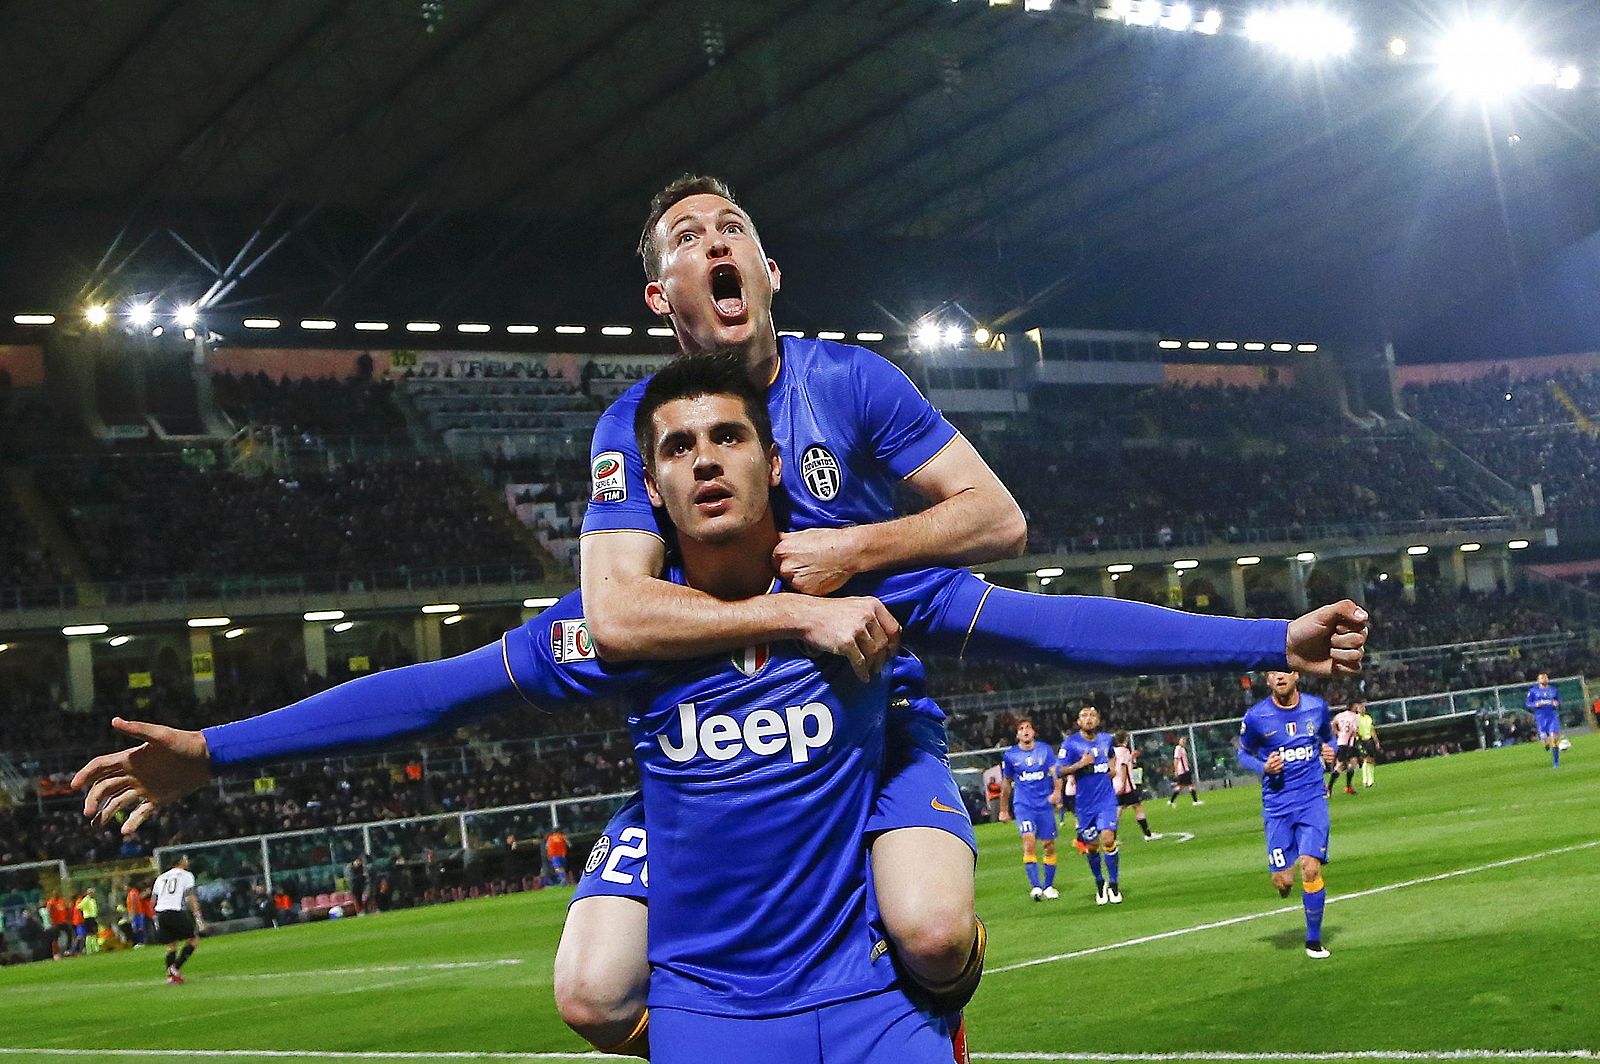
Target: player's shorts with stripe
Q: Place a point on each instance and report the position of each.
(883, 1028)
(1548, 721)
(1038, 821)
(174, 925)
(1298, 833)
(1346, 751)
(618, 862)
(915, 791)
(1095, 817)
(1133, 797)
(1367, 749)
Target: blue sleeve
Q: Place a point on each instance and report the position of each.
(617, 499)
(1325, 732)
(433, 696)
(1533, 697)
(1249, 746)
(1005, 766)
(956, 612)
(903, 429)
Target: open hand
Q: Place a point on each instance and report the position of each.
(168, 765)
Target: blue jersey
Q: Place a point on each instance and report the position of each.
(1032, 774)
(759, 770)
(1543, 696)
(1094, 782)
(1298, 734)
(849, 425)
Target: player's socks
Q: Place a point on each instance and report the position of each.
(184, 954)
(1144, 826)
(1113, 864)
(1094, 866)
(953, 996)
(172, 959)
(636, 1044)
(1049, 870)
(1031, 864)
(1367, 774)
(1555, 756)
(1333, 777)
(1349, 778)
(1313, 897)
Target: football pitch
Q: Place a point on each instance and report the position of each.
(1464, 894)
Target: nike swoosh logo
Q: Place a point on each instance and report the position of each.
(945, 808)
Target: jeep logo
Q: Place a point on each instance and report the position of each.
(720, 737)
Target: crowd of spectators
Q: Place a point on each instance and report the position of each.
(163, 515)
(311, 407)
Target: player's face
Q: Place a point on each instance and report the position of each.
(1544, 677)
(710, 470)
(1025, 733)
(1088, 719)
(716, 282)
(1283, 684)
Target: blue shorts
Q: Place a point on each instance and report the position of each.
(1548, 721)
(1095, 817)
(618, 865)
(883, 1028)
(916, 790)
(1040, 822)
(1299, 833)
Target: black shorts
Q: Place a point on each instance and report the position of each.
(1133, 797)
(1346, 752)
(1184, 779)
(1367, 748)
(174, 926)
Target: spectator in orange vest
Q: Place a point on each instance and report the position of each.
(136, 919)
(555, 847)
(60, 924)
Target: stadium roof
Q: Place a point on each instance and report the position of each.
(493, 158)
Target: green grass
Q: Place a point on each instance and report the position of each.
(1502, 958)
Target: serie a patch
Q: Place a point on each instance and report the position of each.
(608, 482)
(569, 641)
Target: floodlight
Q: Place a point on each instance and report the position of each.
(119, 640)
(1050, 570)
(233, 633)
(262, 323)
(616, 330)
(954, 334)
(472, 327)
(869, 337)
(318, 324)
(422, 326)
(1486, 60)
(830, 334)
(186, 315)
(34, 319)
(1568, 77)
(1305, 556)
(980, 335)
(1417, 551)
(344, 626)
(1178, 17)
(97, 315)
(1210, 24)
(1304, 32)
(1120, 567)
(1397, 47)
(1186, 563)
(539, 603)
(928, 334)
(1248, 559)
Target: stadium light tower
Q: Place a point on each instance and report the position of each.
(186, 315)
(1485, 60)
(928, 334)
(1303, 32)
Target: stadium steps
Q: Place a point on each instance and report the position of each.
(13, 784)
(423, 437)
(51, 533)
(496, 501)
(1506, 496)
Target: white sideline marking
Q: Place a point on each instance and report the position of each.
(1178, 836)
(1106, 1058)
(1230, 921)
(440, 966)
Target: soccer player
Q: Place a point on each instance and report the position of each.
(1127, 779)
(177, 916)
(1345, 754)
(1544, 702)
(1367, 744)
(713, 746)
(1031, 793)
(135, 904)
(1183, 773)
(1087, 755)
(1286, 739)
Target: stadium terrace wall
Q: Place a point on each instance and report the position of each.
(1228, 376)
(23, 363)
(1520, 369)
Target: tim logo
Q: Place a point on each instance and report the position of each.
(752, 660)
(607, 483)
(569, 641)
(820, 470)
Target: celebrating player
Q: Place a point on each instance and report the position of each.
(1544, 702)
(1183, 773)
(177, 916)
(1087, 755)
(1127, 779)
(1031, 792)
(1286, 739)
(1345, 754)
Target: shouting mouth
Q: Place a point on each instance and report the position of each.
(727, 293)
(712, 499)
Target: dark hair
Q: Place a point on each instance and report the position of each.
(1025, 720)
(720, 371)
(1122, 738)
(680, 189)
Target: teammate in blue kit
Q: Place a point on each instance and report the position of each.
(1544, 702)
(713, 744)
(1030, 791)
(1287, 740)
(1086, 755)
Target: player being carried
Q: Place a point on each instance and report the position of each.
(1286, 739)
(1031, 793)
(1544, 702)
(1086, 754)
(1345, 754)
(1127, 778)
